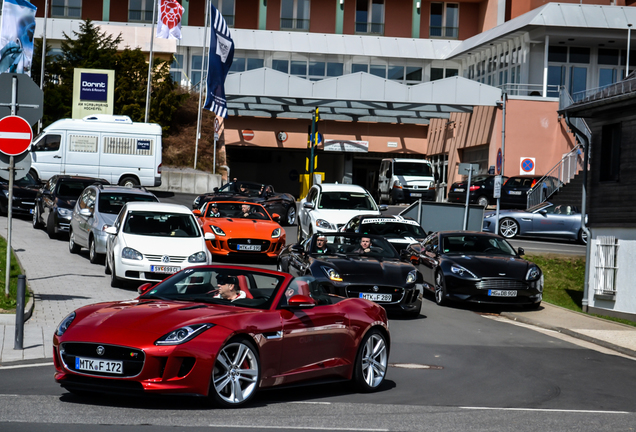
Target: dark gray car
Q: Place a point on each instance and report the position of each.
(543, 220)
(96, 208)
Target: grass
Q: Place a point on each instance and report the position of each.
(564, 278)
(8, 304)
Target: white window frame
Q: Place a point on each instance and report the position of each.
(66, 9)
(298, 23)
(143, 10)
(370, 23)
(606, 266)
(444, 18)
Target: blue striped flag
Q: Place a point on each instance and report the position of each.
(219, 61)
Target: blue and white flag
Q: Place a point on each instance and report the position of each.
(219, 61)
(16, 36)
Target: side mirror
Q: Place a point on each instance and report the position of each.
(300, 301)
(216, 189)
(521, 252)
(383, 207)
(543, 212)
(86, 212)
(110, 230)
(46, 192)
(276, 217)
(297, 248)
(308, 205)
(415, 248)
(209, 236)
(143, 289)
(405, 255)
(197, 213)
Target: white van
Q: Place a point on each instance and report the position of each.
(105, 146)
(406, 180)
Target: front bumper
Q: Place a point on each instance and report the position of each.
(143, 271)
(489, 291)
(403, 299)
(223, 246)
(409, 195)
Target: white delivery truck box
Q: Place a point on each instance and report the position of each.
(105, 146)
(406, 180)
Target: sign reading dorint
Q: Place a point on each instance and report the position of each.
(93, 92)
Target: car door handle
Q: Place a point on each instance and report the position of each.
(57, 157)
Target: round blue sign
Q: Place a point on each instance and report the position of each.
(527, 165)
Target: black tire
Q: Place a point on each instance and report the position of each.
(440, 289)
(299, 235)
(290, 217)
(115, 282)
(106, 267)
(93, 256)
(483, 201)
(508, 228)
(391, 200)
(415, 313)
(35, 176)
(37, 224)
(129, 181)
(582, 237)
(72, 246)
(50, 226)
(236, 369)
(372, 362)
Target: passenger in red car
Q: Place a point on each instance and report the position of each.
(229, 288)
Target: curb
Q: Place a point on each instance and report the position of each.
(600, 342)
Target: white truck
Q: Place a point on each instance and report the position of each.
(405, 180)
(110, 147)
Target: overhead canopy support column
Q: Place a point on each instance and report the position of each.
(545, 65)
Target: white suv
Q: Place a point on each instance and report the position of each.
(150, 241)
(328, 206)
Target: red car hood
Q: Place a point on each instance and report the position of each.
(144, 321)
(235, 227)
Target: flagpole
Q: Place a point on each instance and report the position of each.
(46, 14)
(152, 39)
(205, 43)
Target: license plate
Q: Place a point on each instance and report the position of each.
(459, 189)
(95, 365)
(164, 269)
(502, 293)
(376, 297)
(417, 195)
(514, 192)
(248, 247)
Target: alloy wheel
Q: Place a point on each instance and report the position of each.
(236, 373)
(374, 360)
(508, 228)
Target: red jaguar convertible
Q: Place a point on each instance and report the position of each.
(222, 332)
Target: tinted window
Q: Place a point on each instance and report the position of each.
(413, 169)
(112, 203)
(237, 210)
(346, 201)
(476, 244)
(352, 246)
(72, 189)
(48, 143)
(391, 229)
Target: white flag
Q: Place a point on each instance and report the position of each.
(169, 22)
(16, 36)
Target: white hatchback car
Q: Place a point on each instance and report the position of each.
(328, 206)
(150, 241)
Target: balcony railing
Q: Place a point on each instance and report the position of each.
(294, 24)
(370, 28)
(619, 88)
(444, 32)
(513, 89)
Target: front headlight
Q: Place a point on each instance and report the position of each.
(411, 277)
(533, 274)
(462, 272)
(321, 223)
(183, 334)
(489, 215)
(332, 274)
(65, 324)
(64, 212)
(397, 184)
(196, 202)
(130, 253)
(218, 231)
(6, 193)
(276, 233)
(198, 257)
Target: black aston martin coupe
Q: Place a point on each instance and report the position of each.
(357, 265)
(476, 267)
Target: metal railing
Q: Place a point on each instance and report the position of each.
(557, 177)
(565, 100)
(369, 28)
(617, 89)
(443, 32)
(514, 89)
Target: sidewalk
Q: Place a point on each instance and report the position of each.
(62, 282)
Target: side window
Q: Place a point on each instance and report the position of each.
(83, 200)
(311, 196)
(389, 171)
(48, 143)
(51, 185)
(90, 199)
(120, 218)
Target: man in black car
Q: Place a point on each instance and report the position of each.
(321, 245)
(365, 246)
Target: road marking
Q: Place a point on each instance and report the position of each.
(548, 410)
(26, 366)
(296, 428)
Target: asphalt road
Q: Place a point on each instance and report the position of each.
(453, 368)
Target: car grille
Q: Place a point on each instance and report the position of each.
(232, 244)
(133, 359)
(158, 258)
(417, 187)
(507, 284)
(396, 292)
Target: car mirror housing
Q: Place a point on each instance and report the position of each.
(197, 213)
(308, 205)
(143, 289)
(383, 207)
(300, 301)
(86, 212)
(415, 247)
(276, 217)
(216, 189)
(110, 230)
(209, 236)
(297, 247)
(521, 252)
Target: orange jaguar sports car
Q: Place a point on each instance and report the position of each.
(241, 228)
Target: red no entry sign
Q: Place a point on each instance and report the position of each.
(15, 135)
(248, 134)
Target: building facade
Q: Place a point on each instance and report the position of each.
(402, 77)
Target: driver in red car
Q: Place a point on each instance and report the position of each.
(229, 288)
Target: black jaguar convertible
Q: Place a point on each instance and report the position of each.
(476, 267)
(357, 265)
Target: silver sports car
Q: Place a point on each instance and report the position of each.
(542, 220)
